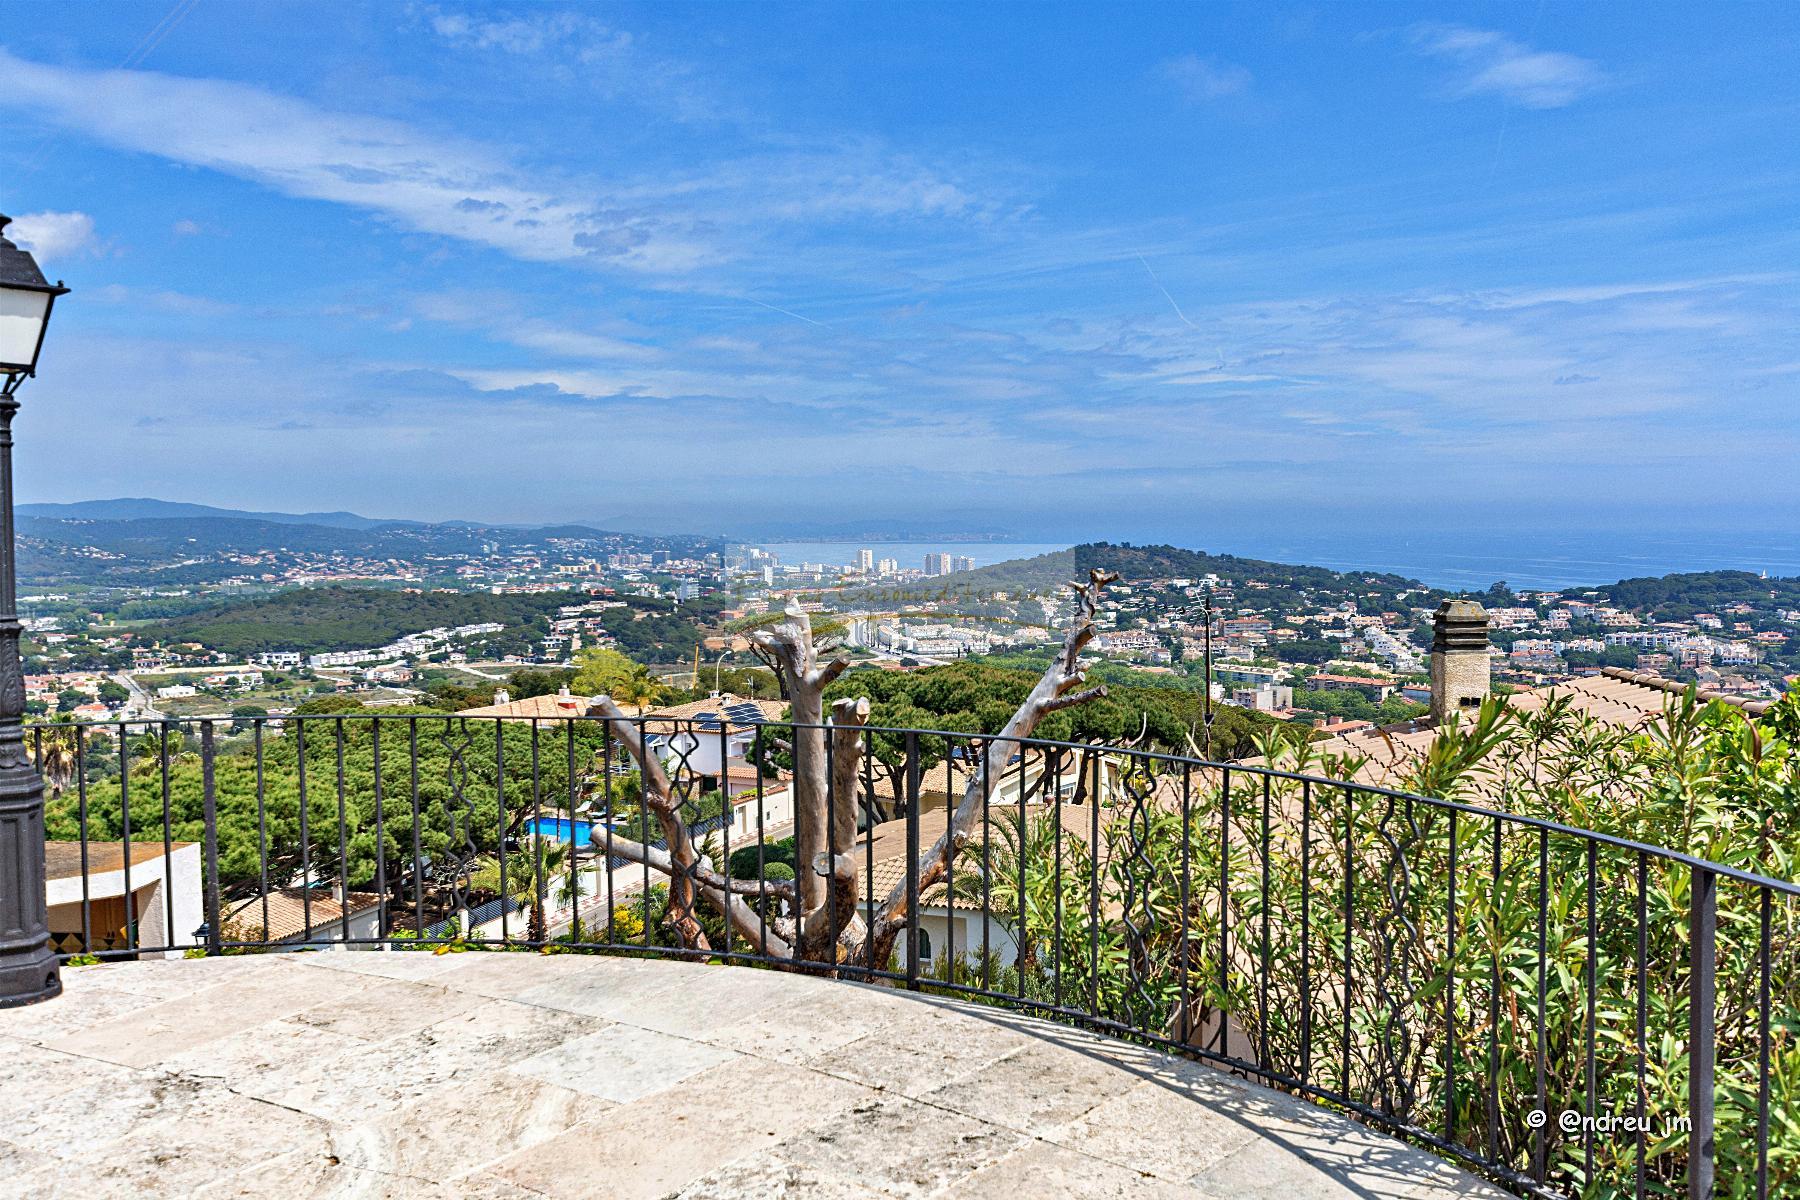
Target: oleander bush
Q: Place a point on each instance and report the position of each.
(1451, 970)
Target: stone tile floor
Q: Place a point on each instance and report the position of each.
(510, 1076)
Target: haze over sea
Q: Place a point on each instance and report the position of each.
(1525, 559)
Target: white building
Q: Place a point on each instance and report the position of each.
(135, 896)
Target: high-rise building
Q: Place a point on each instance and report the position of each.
(962, 563)
(865, 560)
(888, 566)
(937, 564)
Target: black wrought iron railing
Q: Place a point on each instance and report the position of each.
(1566, 1011)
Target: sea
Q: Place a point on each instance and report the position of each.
(1524, 559)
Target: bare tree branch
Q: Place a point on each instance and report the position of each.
(1057, 703)
(658, 859)
(1050, 694)
(716, 889)
(658, 794)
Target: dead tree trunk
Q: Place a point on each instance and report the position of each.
(827, 759)
(1056, 689)
(789, 646)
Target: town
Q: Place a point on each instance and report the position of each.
(1335, 651)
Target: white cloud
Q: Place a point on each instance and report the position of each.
(532, 34)
(1497, 65)
(496, 316)
(574, 47)
(1206, 78)
(434, 185)
(463, 189)
(53, 235)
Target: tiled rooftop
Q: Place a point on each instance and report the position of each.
(510, 1076)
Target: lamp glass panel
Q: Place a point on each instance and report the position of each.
(22, 316)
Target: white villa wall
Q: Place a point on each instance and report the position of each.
(155, 882)
(331, 935)
(776, 808)
(936, 921)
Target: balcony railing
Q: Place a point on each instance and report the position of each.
(1565, 1011)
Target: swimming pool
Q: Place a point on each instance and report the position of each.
(559, 828)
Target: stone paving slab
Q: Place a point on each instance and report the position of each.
(520, 1076)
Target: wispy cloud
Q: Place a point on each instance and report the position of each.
(429, 184)
(611, 61)
(530, 34)
(1206, 78)
(496, 316)
(464, 189)
(1494, 64)
(54, 235)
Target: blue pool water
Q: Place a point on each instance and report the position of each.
(559, 828)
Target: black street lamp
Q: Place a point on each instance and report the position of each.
(29, 970)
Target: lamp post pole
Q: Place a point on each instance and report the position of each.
(29, 968)
(1206, 669)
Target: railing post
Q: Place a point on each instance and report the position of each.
(912, 861)
(209, 801)
(1703, 921)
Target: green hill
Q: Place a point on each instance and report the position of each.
(315, 620)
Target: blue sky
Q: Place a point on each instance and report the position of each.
(1131, 271)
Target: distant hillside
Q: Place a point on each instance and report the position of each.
(1047, 571)
(1668, 597)
(134, 551)
(162, 537)
(140, 508)
(1172, 562)
(1678, 597)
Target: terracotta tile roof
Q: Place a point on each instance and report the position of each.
(243, 921)
(551, 705)
(1616, 697)
(558, 705)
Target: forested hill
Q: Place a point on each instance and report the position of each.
(1669, 597)
(1678, 597)
(314, 620)
(1172, 562)
(1049, 571)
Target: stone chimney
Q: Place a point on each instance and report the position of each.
(501, 697)
(1459, 658)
